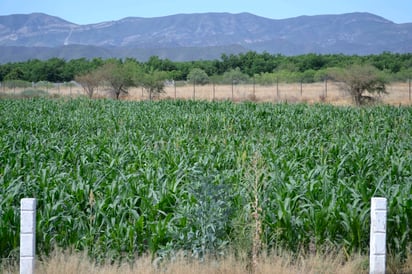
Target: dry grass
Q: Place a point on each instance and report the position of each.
(291, 93)
(77, 263)
(331, 263)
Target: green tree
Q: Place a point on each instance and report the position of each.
(54, 68)
(153, 82)
(265, 78)
(198, 76)
(310, 61)
(76, 67)
(307, 76)
(155, 63)
(358, 80)
(118, 76)
(15, 74)
(235, 76)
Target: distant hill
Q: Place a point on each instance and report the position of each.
(199, 36)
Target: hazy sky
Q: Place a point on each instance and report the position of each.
(94, 11)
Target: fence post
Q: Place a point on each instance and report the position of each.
(254, 88)
(277, 87)
(232, 88)
(409, 89)
(174, 86)
(27, 235)
(194, 89)
(214, 90)
(377, 256)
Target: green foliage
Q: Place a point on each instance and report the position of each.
(201, 221)
(288, 76)
(16, 84)
(198, 76)
(234, 76)
(118, 76)
(265, 78)
(153, 82)
(306, 68)
(15, 74)
(44, 84)
(34, 93)
(118, 179)
(359, 79)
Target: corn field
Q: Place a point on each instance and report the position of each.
(121, 179)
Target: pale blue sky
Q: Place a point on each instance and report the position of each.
(95, 11)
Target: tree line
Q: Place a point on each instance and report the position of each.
(264, 68)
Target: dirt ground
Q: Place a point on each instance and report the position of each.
(398, 93)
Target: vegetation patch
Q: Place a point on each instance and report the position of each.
(120, 179)
(34, 93)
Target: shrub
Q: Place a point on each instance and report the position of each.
(34, 93)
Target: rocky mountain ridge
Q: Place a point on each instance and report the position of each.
(352, 33)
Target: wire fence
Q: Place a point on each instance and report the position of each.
(327, 91)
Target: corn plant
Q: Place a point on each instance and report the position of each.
(119, 179)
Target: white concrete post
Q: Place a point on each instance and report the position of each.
(27, 235)
(377, 256)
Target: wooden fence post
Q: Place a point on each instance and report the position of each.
(232, 88)
(194, 89)
(254, 86)
(214, 90)
(277, 87)
(27, 235)
(377, 256)
(174, 86)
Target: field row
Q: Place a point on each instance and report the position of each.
(122, 178)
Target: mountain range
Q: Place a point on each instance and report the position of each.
(183, 37)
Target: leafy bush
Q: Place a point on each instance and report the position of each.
(234, 76)
(198, 76)
(16, 84)
(358, 80)
(34, 93)
(44, 84)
